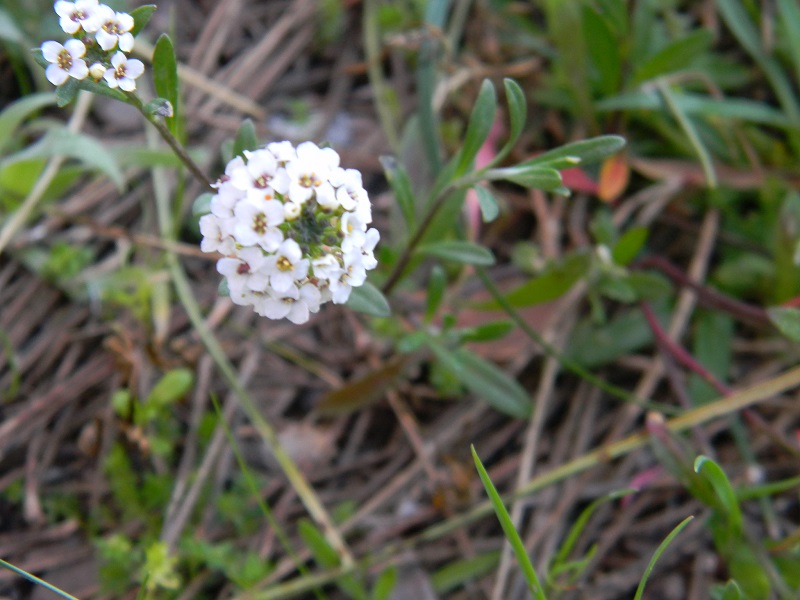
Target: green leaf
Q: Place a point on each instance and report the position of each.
(789, 13)
(246, 138)
(457, 573)
(529, 176)
(731, 591)
(384, 586)
(550, 285)
(593, 346)
(62, 142)
(486, 332)
(9, 29)
(458, 251)
(317, 544)
(676, 56)
(787, 320)
(484, 379)
(629, 245)
(141, 16)
(582, 152)
(480, 123)
(202, 204)
(66, 92)
(16, 112)
(659, 551)
(534, 586)
(397, 176)
(100, 88)
(723, 489)
(173, 386)
(369, 300)
(517, 115)
(437, 284)
(605, 53)
(696, 104)
(488, 204)
(165, 77)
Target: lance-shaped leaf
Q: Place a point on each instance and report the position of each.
(487, 203)
(480, 123)
(484, 379)
(369, 300)
(141, 16)
(458, 251)
(165, 77)
(246, 138)
(398, 178)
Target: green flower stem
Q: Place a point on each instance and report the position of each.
(266, 431)
(173, 143)
(433, 208)
(17, 220)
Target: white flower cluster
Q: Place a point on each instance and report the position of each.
(101, 37)
(292, 225)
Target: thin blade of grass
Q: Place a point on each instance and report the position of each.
(658, 553)
(511, 534)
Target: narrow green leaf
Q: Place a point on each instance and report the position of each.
(246, 138)
(458, 251)
(397, 176)
(787, 320)
(173, 386)
(369, 300)
(723, 489)
(457, 573)
(529, 176)
(488, 204)
(789, 14)
(202, 204)
(732, 591)
(15, 113)
(695, 104)
(66, 92)
(61, 142)
(629, 245)
(9, 29)
(480, 123)
(317, 544)
(487, 332)
(676, 56)
(484, 379)
(165, 77)
(593, 346)
(534, 586)
(582, 152)
(437, 284)
(141, 16)
(517, 115)
(35, 580)
(385, 584)
(659, 551)
(550, 285)
(606, 53)
(580, 524)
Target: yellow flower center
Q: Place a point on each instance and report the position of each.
(64, 60)
(284, 264)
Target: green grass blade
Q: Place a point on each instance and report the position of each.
(658, 553)
(36, 580)
(512, 536)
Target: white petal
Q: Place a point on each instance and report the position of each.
(126, 42)
(127, 84)
(51, 50)
(105, 39)
(79, 70)
(55, 74)
(75, 48)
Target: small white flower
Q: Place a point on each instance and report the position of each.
(223, 202)
(257, 223)
(354, 232)
(239, 270)
(286, 266)
(114, 28)
(309, 174)
(217, 234)
(371, 239)
(124, 72)
(283, 151)
(351, 191)
(261, 175)
(326, 267)
(66, 61)
(76, 15)
(291, 211)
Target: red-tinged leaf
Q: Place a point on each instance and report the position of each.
(614, 176)
(366, 390)
(577, 180)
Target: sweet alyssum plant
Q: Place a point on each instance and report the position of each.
(290, 222)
